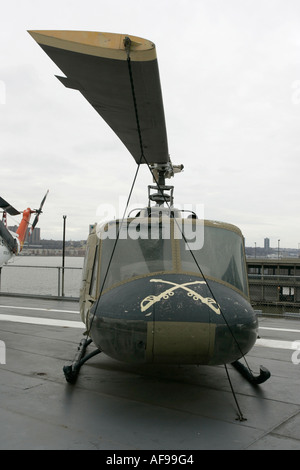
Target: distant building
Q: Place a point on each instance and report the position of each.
(274, 282)
(34, 238)
(267, 245)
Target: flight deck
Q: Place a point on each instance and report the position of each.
(115, 406)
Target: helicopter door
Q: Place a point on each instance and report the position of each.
(89, 275)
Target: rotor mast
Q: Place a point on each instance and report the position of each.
(164, 193)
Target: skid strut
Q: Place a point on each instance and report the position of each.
(264, 374)
(71, 371)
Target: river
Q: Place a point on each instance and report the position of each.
(42, 275)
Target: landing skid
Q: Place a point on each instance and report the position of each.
(264, 375)
(71, 371)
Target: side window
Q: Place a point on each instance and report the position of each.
(84, 269)
(93, 286)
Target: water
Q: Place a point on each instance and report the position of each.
(42, 275)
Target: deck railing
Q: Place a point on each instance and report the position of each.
(271, 293)
(54, 281)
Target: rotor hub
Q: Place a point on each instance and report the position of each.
(164, 193)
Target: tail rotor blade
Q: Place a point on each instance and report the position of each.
(43, 200)
(36, 219)
(38, 212)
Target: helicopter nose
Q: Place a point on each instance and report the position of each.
(173, 318)
(191, 326)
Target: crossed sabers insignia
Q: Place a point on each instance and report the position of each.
(148, 301)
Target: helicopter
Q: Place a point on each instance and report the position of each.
(151, 291)
(11, 243)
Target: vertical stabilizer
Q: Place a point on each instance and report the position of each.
(22, 229)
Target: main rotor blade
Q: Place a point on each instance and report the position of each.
(96, 65)
(8, 208)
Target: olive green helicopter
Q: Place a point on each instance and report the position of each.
(160, 285)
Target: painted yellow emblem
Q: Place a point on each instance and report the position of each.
(148, 301)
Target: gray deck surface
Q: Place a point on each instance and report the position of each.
(115, 406)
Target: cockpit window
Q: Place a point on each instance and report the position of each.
(141, 249)
(145, 248)
(221, 257)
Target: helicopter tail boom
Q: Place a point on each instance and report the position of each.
(22, 229)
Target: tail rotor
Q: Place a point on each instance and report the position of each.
(38, 212)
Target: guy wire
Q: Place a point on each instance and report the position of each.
(240, 414)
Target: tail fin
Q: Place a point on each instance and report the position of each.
(22, 229)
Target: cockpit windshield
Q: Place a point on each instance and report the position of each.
(139, 250)
(221, 256)
(144, 248)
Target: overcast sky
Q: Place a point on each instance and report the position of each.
(230, 76)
